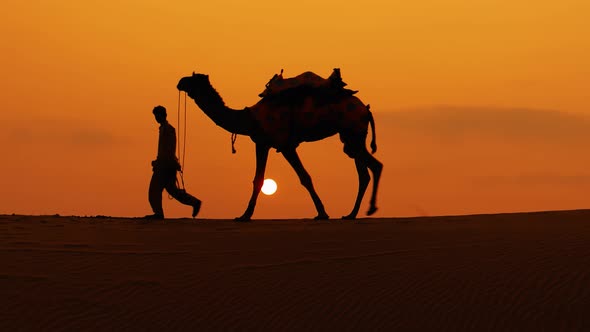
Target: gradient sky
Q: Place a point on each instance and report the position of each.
(480, 106)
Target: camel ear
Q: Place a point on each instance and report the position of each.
(194, 73)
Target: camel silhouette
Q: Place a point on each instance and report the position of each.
(284, 118)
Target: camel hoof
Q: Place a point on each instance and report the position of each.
(322, 217)
(349, 217)
(242, 219)
(372, 210)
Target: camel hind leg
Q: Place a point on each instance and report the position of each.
(364, 162)
(376, 167)
(364, 178)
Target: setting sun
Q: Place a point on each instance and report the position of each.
(269, 187)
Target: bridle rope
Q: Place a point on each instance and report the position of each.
(183, 154)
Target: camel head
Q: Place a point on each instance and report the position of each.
(193, 83)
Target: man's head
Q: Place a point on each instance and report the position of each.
(160, 113)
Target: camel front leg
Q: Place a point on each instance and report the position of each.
(261, 158)
(293, 159)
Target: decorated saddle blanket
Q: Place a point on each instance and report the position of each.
(278, 84)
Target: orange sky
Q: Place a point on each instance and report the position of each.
(481, 106)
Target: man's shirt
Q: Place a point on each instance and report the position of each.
(167, 143)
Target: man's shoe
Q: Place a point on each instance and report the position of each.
(155, 216)
(196, 208)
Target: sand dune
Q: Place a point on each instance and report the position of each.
(524, 271)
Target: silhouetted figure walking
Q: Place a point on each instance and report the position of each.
(165, 167)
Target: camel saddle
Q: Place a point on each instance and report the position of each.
(278, 85)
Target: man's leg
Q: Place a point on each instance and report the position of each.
(155, 195)
(181, 195)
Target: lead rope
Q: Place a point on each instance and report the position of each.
(182, 187)
(178, 122)
(234, 137)
(184, 139)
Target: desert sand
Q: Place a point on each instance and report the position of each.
(520, 272)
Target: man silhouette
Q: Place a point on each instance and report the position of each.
(164, 170)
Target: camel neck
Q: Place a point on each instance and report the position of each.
(209, 101)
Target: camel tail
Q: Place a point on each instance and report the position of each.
(372, 123)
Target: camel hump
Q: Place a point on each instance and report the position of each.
(278, 85)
